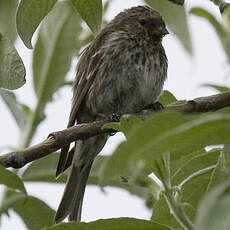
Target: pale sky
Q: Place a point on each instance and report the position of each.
(185, 77)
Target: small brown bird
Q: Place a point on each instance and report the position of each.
(122, 71)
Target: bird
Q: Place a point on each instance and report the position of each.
(121, 71)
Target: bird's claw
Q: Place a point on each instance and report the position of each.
(156, 106)
(115, 117)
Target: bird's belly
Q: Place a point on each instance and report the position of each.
(129, 83)
(127, 95)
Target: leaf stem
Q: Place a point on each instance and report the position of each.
(177, 210)
(28, 133)
(196, 174)
(174, 205)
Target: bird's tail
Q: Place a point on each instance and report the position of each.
(84, 154)
(71, 202)
(75, 214)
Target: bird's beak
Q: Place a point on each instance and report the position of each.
(163, 31)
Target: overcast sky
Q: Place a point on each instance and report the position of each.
(185, 77)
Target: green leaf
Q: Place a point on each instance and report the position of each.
(185, 166)
(29, 15)
(219, 88)
(7, 18)
(35, 213)
(91, 12)
(106, 6)
(111, 224)
(162, 214)
(57, 44)
(11, 180)
(17, 110)
(221, 29)
(226, 24)
(213, 212)
(126, 125)
(194, 189)
(221, 172)
(167, 132)
(112, 125)
(205, 14)
(176, 20)
(179, 102)
(167, 98)
(44, 170)
(12, 70)
(191, 176)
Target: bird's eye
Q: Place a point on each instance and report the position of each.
(143, 22)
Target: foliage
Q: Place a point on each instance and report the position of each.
(12, 70)
(113, 224)
(222, 28)
(193, 192)
(29, 15)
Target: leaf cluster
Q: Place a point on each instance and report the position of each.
(192, 189)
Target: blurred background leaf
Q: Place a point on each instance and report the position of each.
(194, 178)
(112, 224)
(35, 213)
(29, 15)
(221, 172)
(205, 14)
(12, 70)
(194, 170)
(213, 212)
(219, 88)
(8, 14)
(17, 109)
(91, 13)
(162, 214)
(167, 131)
(190, 177)
(58, 41)
(11, 180)
(44, 170)
(222, 32)
(57, 44)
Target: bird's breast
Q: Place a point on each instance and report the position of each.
(128, 80)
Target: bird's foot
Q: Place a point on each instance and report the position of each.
(156, 106)
(115, 117)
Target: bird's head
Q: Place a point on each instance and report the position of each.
(142, 21)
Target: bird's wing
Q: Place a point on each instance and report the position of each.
(84, 79)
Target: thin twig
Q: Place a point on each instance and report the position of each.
(59, 139)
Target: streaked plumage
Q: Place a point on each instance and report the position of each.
(121, 71)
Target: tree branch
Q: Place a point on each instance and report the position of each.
(57, 140)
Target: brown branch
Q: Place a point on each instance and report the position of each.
(205, 104)
(59, 139)
(54, 141)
